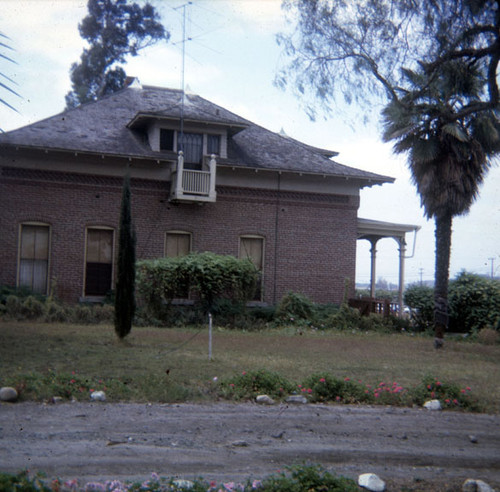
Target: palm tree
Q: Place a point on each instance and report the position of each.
(449, 148)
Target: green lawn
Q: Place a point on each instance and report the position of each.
(157, 364)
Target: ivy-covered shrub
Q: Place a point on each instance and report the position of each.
(206, 277)
(474, 303)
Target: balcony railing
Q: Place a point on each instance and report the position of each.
(196, 182)
(194, 186)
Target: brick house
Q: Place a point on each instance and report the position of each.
(202, 179)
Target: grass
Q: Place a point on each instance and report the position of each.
(168, 365)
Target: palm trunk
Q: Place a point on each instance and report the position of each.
(441, 277)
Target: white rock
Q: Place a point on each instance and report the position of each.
(472, 485)
(264, 400)
(8, 394)
(372, 482)
(296, 399)
(184, 484)
(98, 396)
(432, 405)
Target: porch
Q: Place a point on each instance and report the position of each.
(373, 231)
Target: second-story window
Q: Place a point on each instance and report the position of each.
(166, 139)
(192, 146)
(213, 144)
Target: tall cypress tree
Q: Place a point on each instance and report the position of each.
(125, 282)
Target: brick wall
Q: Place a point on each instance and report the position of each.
(310, 239)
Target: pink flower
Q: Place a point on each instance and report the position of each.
(337, 398)
(347, 379)
(447, 401)
(468, 388)
(438, 383)
(73, 381)
(455, 401)
(243, 373)
(433, 394)
(309, 390)
(322, 380)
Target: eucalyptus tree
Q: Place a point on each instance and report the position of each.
(114, 29)
(432, 67)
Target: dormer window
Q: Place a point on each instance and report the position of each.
(194, 145)
(213, 144)
(167, 139)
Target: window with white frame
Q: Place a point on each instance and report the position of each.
(34, 243)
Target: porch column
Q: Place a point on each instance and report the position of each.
(373, 271)
(402, 253)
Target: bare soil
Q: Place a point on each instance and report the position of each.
(411, 449)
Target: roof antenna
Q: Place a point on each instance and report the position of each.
(183, 91)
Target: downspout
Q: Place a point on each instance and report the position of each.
(276, 229)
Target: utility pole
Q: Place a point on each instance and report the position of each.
(492, 261)
(421, 271)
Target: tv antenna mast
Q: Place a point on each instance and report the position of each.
(183, 69)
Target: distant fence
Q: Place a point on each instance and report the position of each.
(368, 305)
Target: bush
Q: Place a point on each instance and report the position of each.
(474, 303)
(302, 478)
(248, 385)
(420, 300)
(449, 394)
(324, 387)
(209, 277)
(295, 306)
(346, 318)
(488, 336)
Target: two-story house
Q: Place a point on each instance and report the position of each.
(202, 179)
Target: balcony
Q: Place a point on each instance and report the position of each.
(194, 186)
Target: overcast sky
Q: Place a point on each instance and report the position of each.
(232, 59)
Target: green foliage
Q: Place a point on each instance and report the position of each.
(209, 278)
(327, 388)
(23, 482)
(295, 305)
(474, 303)
(249, 385)
(311, 478)
(125, 283)
(420, 300)
(449, 394)
(346, 318)
(113, 30)
(37, 308)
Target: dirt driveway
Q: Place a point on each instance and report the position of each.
(97, 441)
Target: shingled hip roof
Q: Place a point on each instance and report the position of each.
(113, 126)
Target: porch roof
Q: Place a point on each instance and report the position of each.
(376, 229)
